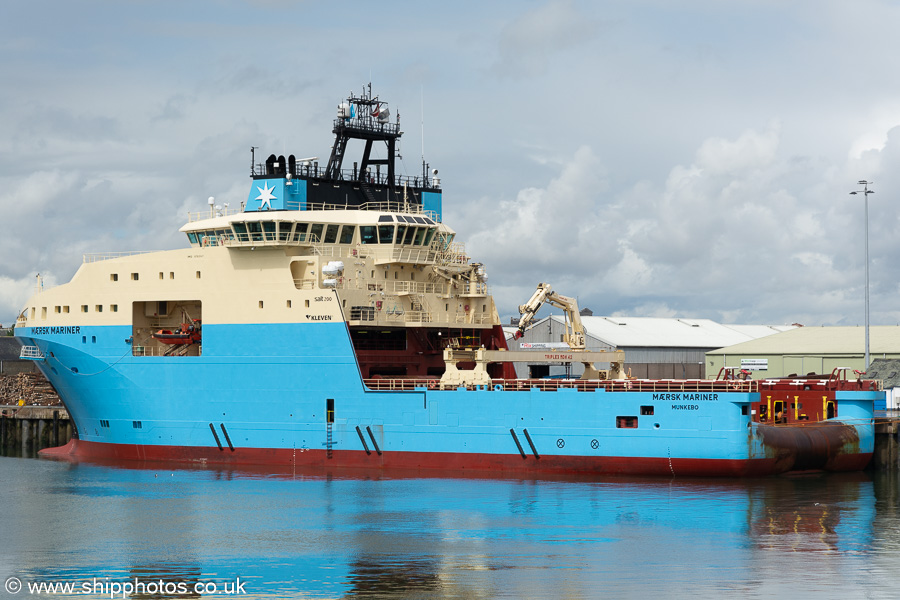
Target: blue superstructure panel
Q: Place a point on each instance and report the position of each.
(431, 201)
(295, 195)
(266, 194)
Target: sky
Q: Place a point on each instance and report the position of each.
(650, 158)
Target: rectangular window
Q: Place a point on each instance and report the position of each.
(161, 275)
(57, 309)
(401, 231)
(626, 422)
(367, 234)
(331, 234)
(347, 234)
(198, 274)
(385, 234)
(65, 309)
(300, 232)
(260, 303)
(43, 312)
(284, 231)
(114, 307)
(745, 410)
(134, 276)
(171, 274)
(307, 303)
(269, 230)
(288, 303)
(113, 276)
(646, 410)
(84, 308)
(255, 231)
(99, 308)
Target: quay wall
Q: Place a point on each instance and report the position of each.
(25, 430)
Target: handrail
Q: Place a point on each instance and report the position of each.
(580, 385)
(31, 353)
(392, 207)
(100, 256)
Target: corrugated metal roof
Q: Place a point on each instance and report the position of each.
(883, 339)
(652, 332)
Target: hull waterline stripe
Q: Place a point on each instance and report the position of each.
(227, 437)
(287, 460)
(518, 445)
(216, 435)
(363, 440)
(374, 443)
(530, 443)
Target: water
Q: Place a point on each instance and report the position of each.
(309, 536)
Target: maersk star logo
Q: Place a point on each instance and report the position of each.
(265, 194)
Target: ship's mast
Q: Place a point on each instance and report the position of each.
(364, 118)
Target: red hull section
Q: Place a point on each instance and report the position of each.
(500, 464)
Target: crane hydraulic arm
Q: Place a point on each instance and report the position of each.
(574, 335)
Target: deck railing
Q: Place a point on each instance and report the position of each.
(581, 385)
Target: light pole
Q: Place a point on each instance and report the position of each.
(865, 192)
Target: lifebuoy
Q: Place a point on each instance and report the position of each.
(431, 384)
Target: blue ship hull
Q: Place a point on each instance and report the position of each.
(296, 398)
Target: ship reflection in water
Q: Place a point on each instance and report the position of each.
(306, 535)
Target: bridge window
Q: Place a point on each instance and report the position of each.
(315, 232)
(401, 231)
(300, 232)
(268, 228)
(385, 234)
(420, 234)
(255, 231)
(240, 230)
(347, 234)
(331, 233)
(367, 234)
(408, 238)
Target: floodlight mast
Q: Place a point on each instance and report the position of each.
(865, 192)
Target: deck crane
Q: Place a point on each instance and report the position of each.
(574, 335)
(454, 377)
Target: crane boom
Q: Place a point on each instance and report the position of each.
(574, 335)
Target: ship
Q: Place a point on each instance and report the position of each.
(333, 320)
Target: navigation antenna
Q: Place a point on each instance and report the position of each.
(424, 168)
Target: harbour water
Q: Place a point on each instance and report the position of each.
(102, 528)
